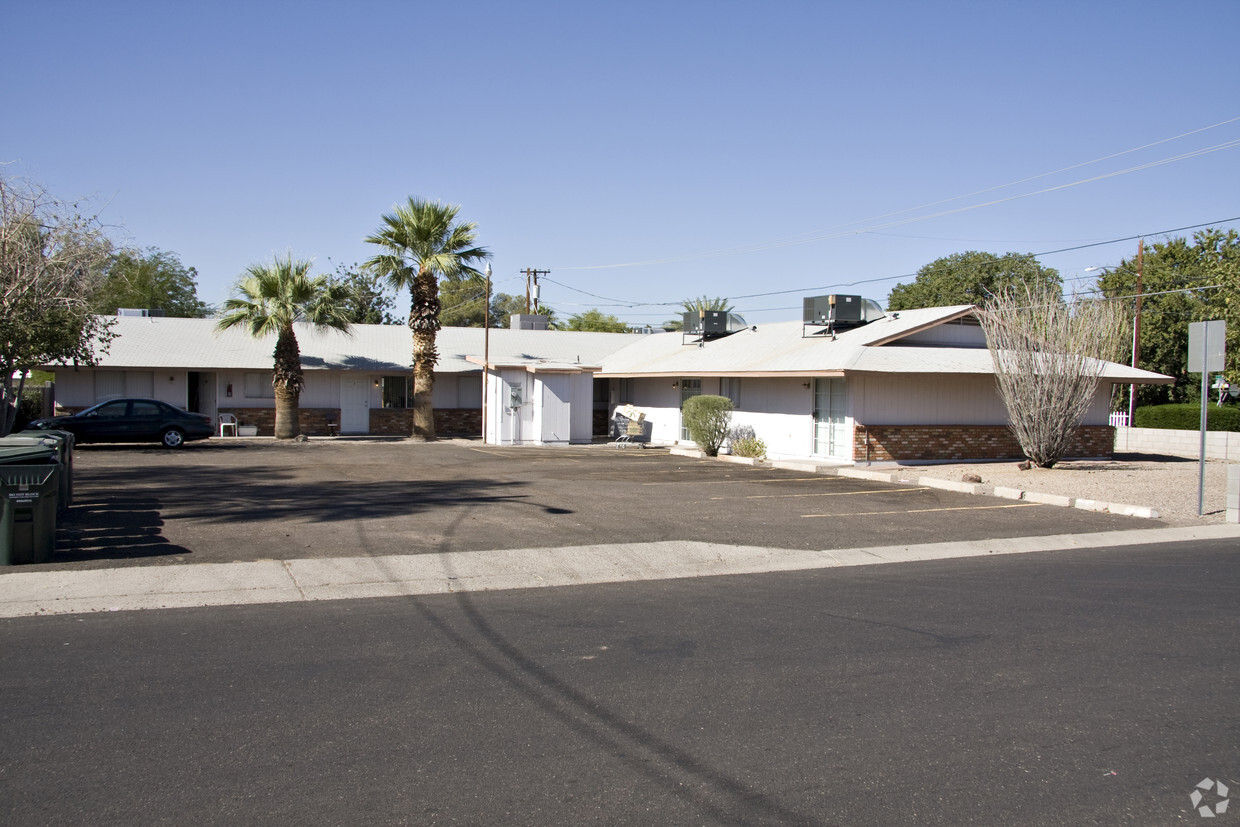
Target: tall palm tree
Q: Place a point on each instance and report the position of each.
(271, 299)
(422, 241)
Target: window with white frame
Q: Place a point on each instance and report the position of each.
(731, 388)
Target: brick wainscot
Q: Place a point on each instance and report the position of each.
(885, 443)
(383, 421)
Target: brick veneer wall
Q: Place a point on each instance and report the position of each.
(963, 442)
(383, 421)
(448, 421)
(312, 421)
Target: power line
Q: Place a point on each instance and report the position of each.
(841, 230)
(857, 283)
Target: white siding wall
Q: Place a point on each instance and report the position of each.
(948, 334)
(75, 388)
(582, 408)
(780, 411)
(322, 390)
(445, 393)
(912, 399)
(552, 395)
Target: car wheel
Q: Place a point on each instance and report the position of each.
(173, 438)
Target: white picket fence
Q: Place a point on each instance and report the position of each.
(1119, 419)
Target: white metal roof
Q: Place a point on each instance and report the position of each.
(779, 349)
(784, 349)
(195, 344)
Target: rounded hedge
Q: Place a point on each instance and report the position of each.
(707, 418)
(1187, 417)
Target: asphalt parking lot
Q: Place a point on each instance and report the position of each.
(240, 500)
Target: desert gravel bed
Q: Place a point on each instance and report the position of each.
(1166, 484)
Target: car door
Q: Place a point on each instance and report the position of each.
(106, 423)
(147, 420)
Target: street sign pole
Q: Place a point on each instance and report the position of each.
(1206, 352)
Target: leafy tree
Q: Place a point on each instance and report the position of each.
(504, 305)
(52, 260)
(464, 302)
(365, 301)
(271, 299)
(423, 242)
(597, 321)
(971, 278)
(708, 419)
(1192, 282)
(1048, 355)
(151, 279)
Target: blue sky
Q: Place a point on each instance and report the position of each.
(717, 148)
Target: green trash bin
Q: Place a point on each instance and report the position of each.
(62, 441)
(29, 494)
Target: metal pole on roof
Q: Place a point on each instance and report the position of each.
(486, 350)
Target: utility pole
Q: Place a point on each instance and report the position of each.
(486, 351)
(1136, 333)
(531, 273)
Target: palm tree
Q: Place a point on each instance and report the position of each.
(706, 303)
(272, 298)
(422, 241)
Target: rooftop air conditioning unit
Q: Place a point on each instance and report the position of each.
(838, 312)
(711, 324)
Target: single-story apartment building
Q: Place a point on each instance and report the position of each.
(912, 385)
(355, 383)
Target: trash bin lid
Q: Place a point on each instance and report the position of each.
(27, 454)
(25, 440)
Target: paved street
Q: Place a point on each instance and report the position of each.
(1063, 687)
(228, 500)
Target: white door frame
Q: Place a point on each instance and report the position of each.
(832, 435)
(354, 403)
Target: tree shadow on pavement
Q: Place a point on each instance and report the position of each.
(111, 528)
(249, 494)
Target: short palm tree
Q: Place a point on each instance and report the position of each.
(422, 242)
(271, 299)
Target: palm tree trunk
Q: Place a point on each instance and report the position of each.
(287, 381)
(287, 425)
(424, 321)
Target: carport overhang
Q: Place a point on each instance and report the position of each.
(721, 374)
(534, 366)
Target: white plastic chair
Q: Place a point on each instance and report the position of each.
(228, 421)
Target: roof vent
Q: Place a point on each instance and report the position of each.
(527, 321)
(139, 311)
(827, 314)
(705, 325)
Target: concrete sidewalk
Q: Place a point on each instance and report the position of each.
(284, 581)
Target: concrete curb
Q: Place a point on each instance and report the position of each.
(271, 581)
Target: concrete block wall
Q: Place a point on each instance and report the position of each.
(880, 443)
(1219, 444)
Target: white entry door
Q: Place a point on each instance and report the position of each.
(354, 404)
(832, 437)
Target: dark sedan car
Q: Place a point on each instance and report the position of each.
(132, 420)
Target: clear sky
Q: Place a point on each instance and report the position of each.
(715, 148)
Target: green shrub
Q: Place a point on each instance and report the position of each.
(1188, 417)
(749, 446)
(707, 419)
